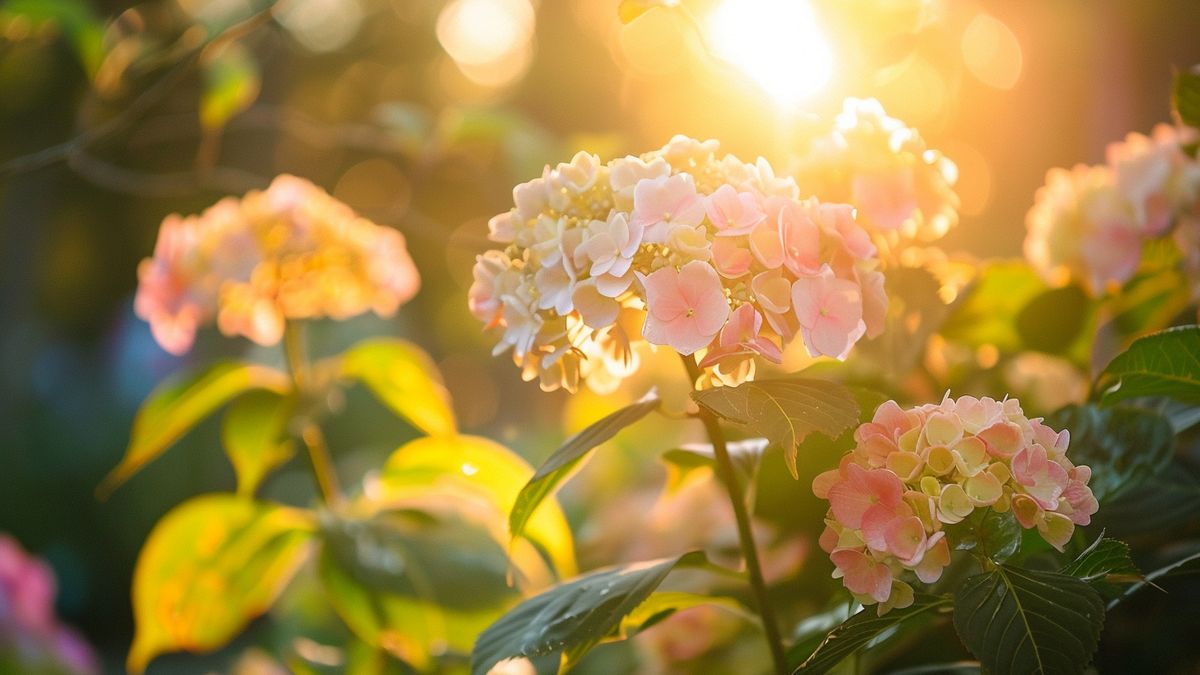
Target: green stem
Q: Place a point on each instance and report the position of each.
(737, 497)
(320, 458)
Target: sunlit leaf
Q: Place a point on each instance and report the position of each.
(560, 464)
(404, 378)
(210, 566)
(746, 456)
(662, 604)
(458, 467)
(1153, 298)
(860, 629)
(1163, 364)
(231, 85)
(412, 585)
(785, 411)
(1106, 565)
(629, 10)
(1052, 321)
(1026, 621)
(575, 616)
(75, 18)
(1123, 446)
(180, 403)
(1185, 97)
(254, 433)
(985, 315)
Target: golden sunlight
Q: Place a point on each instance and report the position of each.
(778, 43)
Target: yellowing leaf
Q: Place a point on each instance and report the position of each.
(210, 566)
(559, 465)
(231, 84)
(180, 403)
(630, 10)
(254, 434)
(456, 467)
(404, 379)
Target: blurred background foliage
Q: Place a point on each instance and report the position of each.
(422, 114)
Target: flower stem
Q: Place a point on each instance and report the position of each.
(737, 497)
(320, 458)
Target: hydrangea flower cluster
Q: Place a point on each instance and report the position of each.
(1090, 222)
(902, 189)
(682, 247)
(289, 252)
(31, 636)
(913, 472)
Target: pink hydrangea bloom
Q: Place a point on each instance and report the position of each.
(289, 252)
(903, 190)
(685, 308)
(29, 630)
(830, 313)
(718, 256)
(1092, 222)
(913, 472)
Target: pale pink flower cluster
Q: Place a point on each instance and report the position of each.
(289, 252)
(31, 636)
(1091, 222)
(901, 188)
(913, 472)
(682, 247)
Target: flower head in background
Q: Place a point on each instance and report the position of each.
(901, 189)
(914, 472)
(682, 247)
(289, 252)
(1090, 223)
(31, 636)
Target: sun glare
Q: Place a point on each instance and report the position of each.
(778, 43)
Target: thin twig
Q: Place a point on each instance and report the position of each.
(154, 94)
(737, 497)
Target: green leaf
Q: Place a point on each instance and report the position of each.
(462, 470)
(985, 315)
(1105, 565)
(575, 616)
(1185, 97)
(76, 19)
(404, 379)
(231, 85)
(560, 464)
(1163, 364)
(746, 456)
(1170, 499)
(181, 402)
(1027, 621)
(254, 434)
(1123, 446)
(662, 604)
(996, 536)
(210, 566)
(785, 411)
(855, 632)
(413, 585)
(1052, 321)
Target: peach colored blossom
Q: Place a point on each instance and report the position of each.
(685, 308)
(829, 310)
